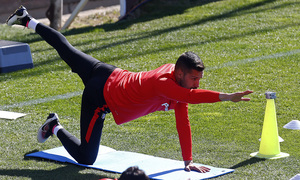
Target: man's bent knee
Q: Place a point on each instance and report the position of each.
(86, 159)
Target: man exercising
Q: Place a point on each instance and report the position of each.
(127, 95)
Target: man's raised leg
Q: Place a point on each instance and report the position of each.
(80, 63)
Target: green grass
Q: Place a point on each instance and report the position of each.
(224, 134)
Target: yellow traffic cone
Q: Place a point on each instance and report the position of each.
(269, 145)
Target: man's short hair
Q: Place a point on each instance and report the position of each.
(133, 173)
(188, 61)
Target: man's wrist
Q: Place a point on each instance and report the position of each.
(188, 162)
(224, 97)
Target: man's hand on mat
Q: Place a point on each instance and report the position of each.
(189, 166)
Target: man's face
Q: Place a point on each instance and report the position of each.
(190, 80)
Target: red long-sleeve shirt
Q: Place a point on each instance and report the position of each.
(131, 95)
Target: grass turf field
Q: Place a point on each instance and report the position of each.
(245, 44)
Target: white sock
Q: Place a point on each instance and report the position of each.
(32, 23)
(56, 129)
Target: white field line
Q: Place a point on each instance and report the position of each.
(249, 60)
(42, 100)
(77, 93)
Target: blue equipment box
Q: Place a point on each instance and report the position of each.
(14, 56)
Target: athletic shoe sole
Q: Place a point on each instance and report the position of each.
(14, 17)
(40, 137)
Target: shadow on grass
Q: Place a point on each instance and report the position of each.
(246, 9)
(174, 10)
(222, 15)
(190, 44)
(68, 171)
(247, 162)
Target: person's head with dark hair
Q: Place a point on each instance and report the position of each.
(133, 173)
(189, 70)
(188, 61)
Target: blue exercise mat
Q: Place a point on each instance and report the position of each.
(117, 161)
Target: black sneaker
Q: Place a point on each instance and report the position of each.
(45, 131)
(20, 17)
